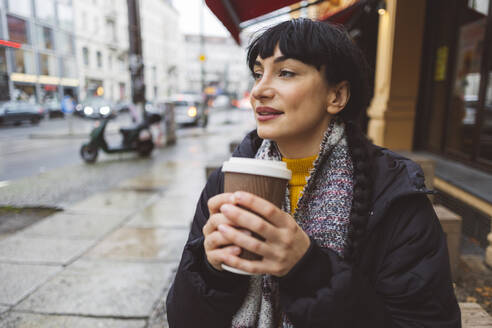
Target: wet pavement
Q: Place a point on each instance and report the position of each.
(107, 260)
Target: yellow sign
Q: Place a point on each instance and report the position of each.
(202, 58)
(441, 63)
(100, 91)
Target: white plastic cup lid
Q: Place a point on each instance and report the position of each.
(275, 169)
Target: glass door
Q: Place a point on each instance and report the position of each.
(464, 108)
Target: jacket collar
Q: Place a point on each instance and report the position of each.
(393, 176)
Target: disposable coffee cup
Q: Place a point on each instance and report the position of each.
(266, 179)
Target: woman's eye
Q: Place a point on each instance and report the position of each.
(285, 73)
(256, 75)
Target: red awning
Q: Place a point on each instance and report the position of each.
(233, 12)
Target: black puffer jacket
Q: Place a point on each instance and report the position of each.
(402, 280)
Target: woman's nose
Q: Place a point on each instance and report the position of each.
(262, 89)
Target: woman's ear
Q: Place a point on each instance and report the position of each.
(338, 97)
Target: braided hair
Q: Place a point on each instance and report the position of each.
(324, 45)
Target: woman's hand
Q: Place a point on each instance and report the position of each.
(217, 246)
(285, 242)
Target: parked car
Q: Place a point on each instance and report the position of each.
(16, 112)
(190, 110)
(53, 108)
(95, 107)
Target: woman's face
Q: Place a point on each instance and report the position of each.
(289, 100)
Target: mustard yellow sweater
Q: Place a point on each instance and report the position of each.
(300, 168)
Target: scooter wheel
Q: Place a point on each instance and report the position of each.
(145, 148)
(88, 153)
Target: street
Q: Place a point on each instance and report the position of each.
(107, 258)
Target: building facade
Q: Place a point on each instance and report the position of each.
(433, 97)
(161, 42)
(37, 52)
(224, 65)
(101, 34)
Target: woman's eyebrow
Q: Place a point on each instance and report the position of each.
(280, 59)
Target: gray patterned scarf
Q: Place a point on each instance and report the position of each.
(323, 212)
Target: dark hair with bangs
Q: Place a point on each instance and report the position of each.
(328, 46)
(320, 45)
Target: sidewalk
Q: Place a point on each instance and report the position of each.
(104, 261)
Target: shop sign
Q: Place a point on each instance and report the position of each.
(441, 63)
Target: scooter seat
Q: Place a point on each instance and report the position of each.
(127, 130)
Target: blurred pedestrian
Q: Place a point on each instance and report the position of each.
(357, 243)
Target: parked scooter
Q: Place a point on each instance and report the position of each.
(137, 138)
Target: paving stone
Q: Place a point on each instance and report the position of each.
(75, 226)
(28, 320)
(96, 288)
(473, 315)
(21, 249)
(112, 202)
(167, 212)
(3, 309)
(137, 243)
(18, 280)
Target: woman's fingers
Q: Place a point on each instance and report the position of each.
(213, 222)
(215, 240)
(260, 206)
(245, 241)
(217, 201)
(218, 256)
(247, 220)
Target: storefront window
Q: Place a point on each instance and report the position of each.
(65, 13)
(18, 30)
(485, 151)
(23, 61)
(24, 92)
(64, 43)
(464, 108)
(47, 65)
(45, 10)
(45, 37)
(48, 93)
(20, 7)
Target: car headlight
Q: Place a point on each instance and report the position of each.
(192, 111)
(88, 110)
(104, 110)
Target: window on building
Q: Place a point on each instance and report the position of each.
(45, 10)
(18, 29)
(45, 37)
(47, 65)
(23, 61)
(69, 67)
(99, 59)
(64, 10)
(96, 25)
(111, 31)
(3, 60)
(20, 7)
(85, 56)
(64, 43)
(110, 62)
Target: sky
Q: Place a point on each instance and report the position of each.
(189, 20)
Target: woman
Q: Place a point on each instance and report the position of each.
(357, 243)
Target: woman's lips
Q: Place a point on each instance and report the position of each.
(267, 113)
